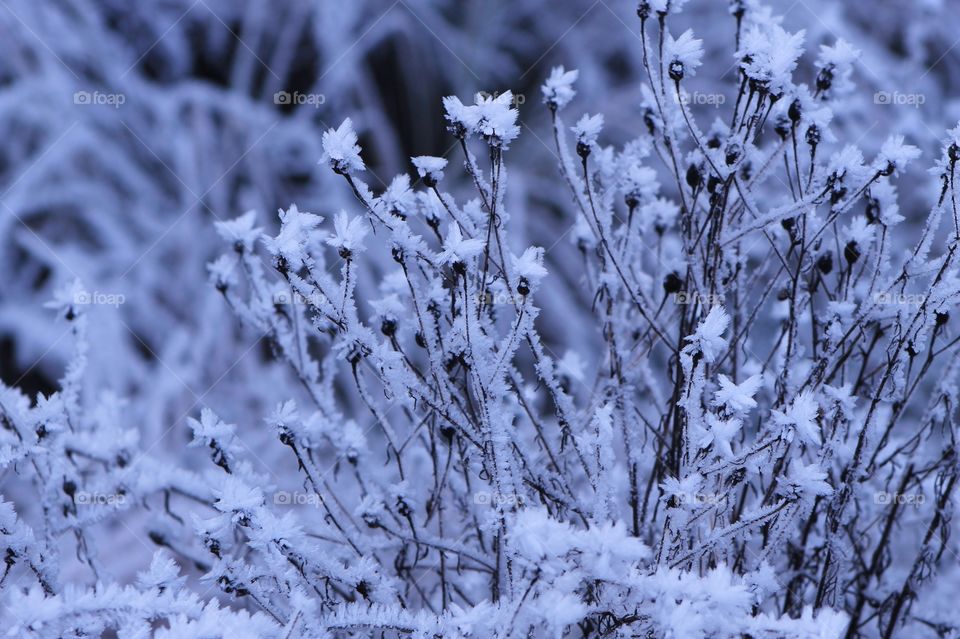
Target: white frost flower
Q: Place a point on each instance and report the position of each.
(836, 64)
(348, 235)
(721, 434)
(894, 155)
(558, 89)
(458, 249)
(808, 480)
(683, 55)
(340, 149)
(639, 183)
(587, 129)
(460, 116)
(529, 266)
(662, 212)
(295, 230)
(236, 496)
(801, 417)
(399, 199)
(737, 398)
(429, 168)
(209, 428)
(240, 231)
(708, 338)
(163, 573)
(769, 54)
(496, 120)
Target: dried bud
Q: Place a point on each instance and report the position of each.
(388, 327)
(873, 210)
(694, 176)
(676, 70)
(712, 183)
(672, 283)
(732, 153)
(825, 263)
(825, 78)
(782, 127)
(523, 287)
(649, 121)
(851, 252)
(794, 112)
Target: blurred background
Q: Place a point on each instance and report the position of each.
(129, 128)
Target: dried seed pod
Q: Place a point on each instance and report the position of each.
(851, 252)
(825, 263)
(672, 283)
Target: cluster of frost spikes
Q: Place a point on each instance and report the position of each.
(764, 446)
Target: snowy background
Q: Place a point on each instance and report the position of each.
(141, 405)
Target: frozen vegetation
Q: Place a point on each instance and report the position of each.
(652, 333)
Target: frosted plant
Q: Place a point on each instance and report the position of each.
(753, 436)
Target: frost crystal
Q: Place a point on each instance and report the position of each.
(558, 89)
(340, 149)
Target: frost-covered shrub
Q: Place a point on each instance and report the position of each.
(752, 437)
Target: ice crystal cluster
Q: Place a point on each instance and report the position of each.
(686, 368)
